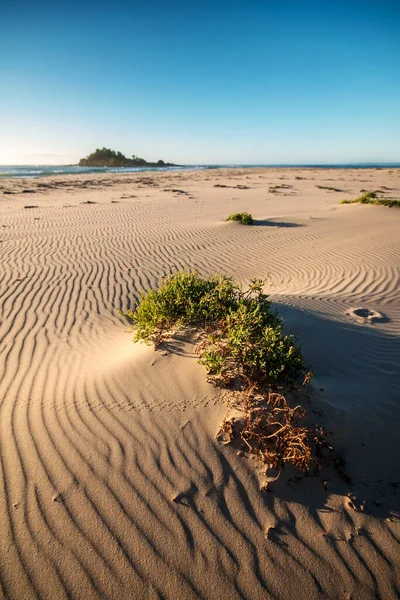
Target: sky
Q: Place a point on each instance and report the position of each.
(210, 82)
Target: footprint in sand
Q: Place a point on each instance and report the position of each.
(366, 315)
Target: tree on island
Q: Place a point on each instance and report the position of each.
(105, 157)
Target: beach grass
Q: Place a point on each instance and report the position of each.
(244, 217)
(371, 198)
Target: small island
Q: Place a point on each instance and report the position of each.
(109, 158)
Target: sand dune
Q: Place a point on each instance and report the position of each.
(112, 482)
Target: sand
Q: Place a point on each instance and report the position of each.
(112, 482)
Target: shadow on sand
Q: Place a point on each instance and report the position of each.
(356, 401)
(356, 370)
(272, 223)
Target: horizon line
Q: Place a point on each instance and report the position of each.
(207, 164)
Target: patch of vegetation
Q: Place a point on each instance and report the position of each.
(182, 299)
(243, 348)
(244, 218)
(391, 203)
(329, 188)
(276, 188)
(269, 431)
(371, 198)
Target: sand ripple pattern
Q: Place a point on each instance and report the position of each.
(111, 485)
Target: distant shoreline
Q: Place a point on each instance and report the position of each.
(34, 171)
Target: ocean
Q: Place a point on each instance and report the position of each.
(29, 171)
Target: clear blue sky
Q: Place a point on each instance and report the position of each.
(200, 82)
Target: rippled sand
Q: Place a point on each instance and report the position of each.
(112, 482)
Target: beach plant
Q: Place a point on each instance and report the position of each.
(269, 430)
(371, 198)
(243, 348)
(242, 335)
(244, 217)
(182, 299)
(249, 344)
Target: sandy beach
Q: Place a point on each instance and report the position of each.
(113, 484)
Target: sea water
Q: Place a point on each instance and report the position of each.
(29, 171)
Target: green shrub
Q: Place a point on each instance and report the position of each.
(250, 345)
(182, 299)
(242, 343)
(243, 336)
(387, 202)
(371, 198)
(244, 218)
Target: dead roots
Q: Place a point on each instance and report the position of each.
(269, 430)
